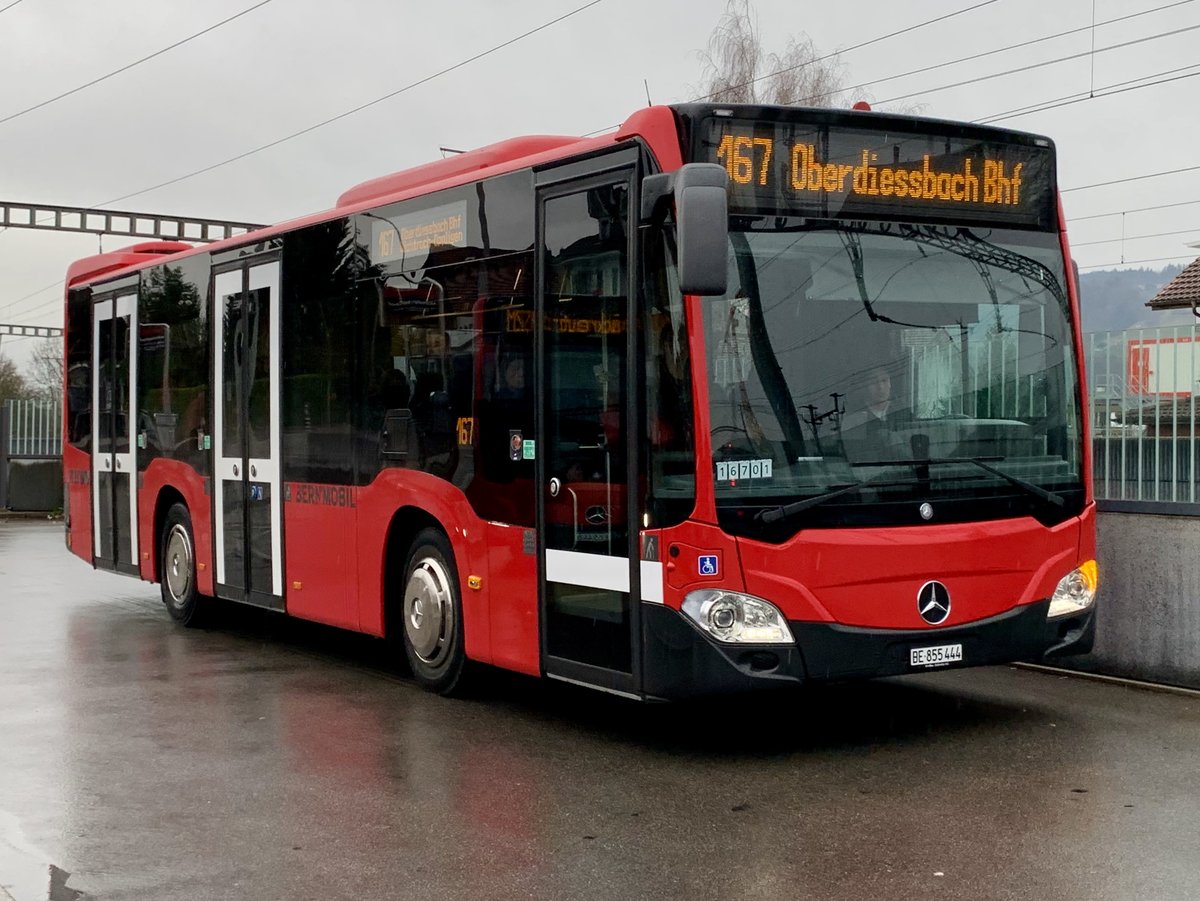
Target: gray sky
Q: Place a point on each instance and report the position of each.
(292, 63)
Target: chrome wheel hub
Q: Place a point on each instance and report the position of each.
(177, 565)
(429, 611)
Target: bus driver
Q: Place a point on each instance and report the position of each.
(870, 432)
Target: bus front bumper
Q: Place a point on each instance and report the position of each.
(680, 661)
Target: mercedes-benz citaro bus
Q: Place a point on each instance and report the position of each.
(729, 397)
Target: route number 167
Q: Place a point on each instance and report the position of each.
(738, 153)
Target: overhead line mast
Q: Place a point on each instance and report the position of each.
(48, 217)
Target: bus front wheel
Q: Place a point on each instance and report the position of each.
(177, 568)
(431, 610)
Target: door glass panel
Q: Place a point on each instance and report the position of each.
(120, 385)
(258, 516)
(231, 466)
(122, 487)
(232, 523)
(586, 531)
(105, 391)
(103, 463)
(121, 421)
(257, 372)
(233, 344)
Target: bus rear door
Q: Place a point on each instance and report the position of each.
(114, 423)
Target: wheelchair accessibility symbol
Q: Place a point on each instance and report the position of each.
(708, 565)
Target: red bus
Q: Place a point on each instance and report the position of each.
(731, 397)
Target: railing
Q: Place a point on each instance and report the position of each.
(1144, 385)
(34, 428)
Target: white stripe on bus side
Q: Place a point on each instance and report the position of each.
(599, 571)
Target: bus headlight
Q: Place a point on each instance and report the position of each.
(1075, 592)
(736, 618)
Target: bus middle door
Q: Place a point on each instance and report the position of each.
(246, 379)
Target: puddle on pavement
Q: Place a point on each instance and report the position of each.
(26, 874)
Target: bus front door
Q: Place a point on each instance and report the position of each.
(246, 489)
(114, 397)
(587, 565)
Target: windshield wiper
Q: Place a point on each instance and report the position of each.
(777, 513)
(983, 463)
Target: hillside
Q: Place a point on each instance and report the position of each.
(1115, 299)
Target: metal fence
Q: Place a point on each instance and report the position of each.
(1144, 385)
(34, 428)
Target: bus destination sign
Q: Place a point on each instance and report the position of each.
(836, 172)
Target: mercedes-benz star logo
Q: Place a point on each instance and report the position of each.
(596, 516)
(933, 603)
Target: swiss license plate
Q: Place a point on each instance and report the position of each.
(936, 656)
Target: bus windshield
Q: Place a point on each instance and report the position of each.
(882, 373)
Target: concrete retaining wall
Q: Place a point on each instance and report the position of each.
(1148, 623)
(34, 484)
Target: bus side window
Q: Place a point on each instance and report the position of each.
(502, 485)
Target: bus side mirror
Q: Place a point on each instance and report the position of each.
(702, 223)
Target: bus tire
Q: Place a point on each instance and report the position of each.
(177, 568)
(431, 614)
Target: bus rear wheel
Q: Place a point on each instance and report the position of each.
(177, 568)
(431, 611)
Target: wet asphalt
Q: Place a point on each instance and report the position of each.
(264, 758)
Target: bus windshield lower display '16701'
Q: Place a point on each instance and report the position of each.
(843, 173)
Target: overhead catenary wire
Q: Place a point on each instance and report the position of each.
(1188, 256)
(54, 304)
(1121, 181)
(1112, 90)
(131, 65)
(1141, 209)
(1041, 64)
(4, 9)
(9, 306)
(997, 50)
(1182, 231)
(357, 109)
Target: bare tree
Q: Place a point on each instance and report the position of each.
(739, 69)
(12, 385)
(45, 370)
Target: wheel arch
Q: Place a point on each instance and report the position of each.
(406, 523)
(168, 496)
(189, 488)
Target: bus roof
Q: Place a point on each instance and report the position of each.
(470, 161)
(101, 264)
